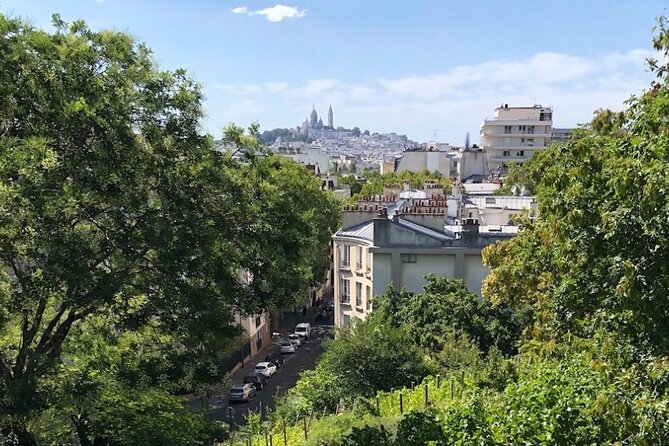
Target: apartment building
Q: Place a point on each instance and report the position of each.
(515, 134)
(400, 238)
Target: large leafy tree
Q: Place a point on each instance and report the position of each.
(114, 206)
(597, 255)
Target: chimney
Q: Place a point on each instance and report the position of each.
(382, 228)
(470, 231)
(353, 215)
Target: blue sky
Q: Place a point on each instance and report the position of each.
(419, 67)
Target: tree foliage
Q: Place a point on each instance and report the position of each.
(602, 229)
(592, 367)
(376, 182)
(115, 209)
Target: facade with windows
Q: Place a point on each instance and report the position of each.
(516, 133)
(353, 273)
(257, 328)
(399, 241)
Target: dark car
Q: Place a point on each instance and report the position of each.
(275, 359)
(258, 381)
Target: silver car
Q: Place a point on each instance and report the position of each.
(242, 392)
(287, 347)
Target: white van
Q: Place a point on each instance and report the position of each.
(303, 329)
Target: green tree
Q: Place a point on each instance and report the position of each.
(356, 131)
(419, 429)
(351, 181)
(371, 357)
(376, 183)
(597, 245)
(367, 436)
(446, 311)
(112, 203)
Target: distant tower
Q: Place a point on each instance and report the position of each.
(313, 117)
(330, 118)
(467, 144)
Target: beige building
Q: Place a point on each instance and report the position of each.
(398, 240)
(439, 158)
(515, 134)
(257, 327)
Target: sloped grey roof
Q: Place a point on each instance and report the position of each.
(422, 229)
(364, 231)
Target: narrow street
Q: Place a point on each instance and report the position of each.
(304, 359)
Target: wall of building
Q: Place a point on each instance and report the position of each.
(260, 334)
(359, 270)
(471, 163)
(474, 272)
(413, 274)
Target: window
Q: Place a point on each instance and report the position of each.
(520, 153)
(258, 321)
(507, 129)
(346, 256)
(346, 320)
(506, 153)
(530, 141)
(530, 129)
(345, 291)
(369, 298)
(358, 259)
(358, 294)
(408, 258)
(369, 260)
(490, 200)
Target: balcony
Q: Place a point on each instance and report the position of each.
(504, 159)
(528, 121)
(515, 134)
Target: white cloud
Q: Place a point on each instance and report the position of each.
(454, 101)
(275, 13)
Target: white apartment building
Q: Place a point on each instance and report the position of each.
(400, 238)
(515, 134)
(307, 155)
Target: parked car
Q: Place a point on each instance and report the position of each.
(295, 339)
(266, 369)
(303, 329)
(329, 305)
(276, 359)
(288, 347)
(242, 392)
(258, 381)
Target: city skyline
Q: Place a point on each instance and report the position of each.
(431, 68)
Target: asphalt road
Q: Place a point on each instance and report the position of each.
(304, 359)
